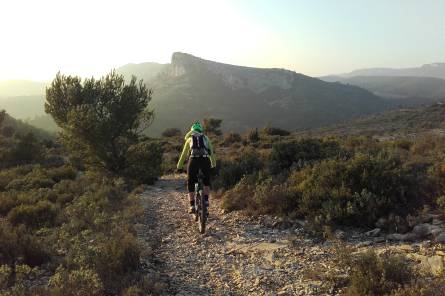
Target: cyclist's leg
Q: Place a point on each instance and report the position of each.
(192, 173)
(206, 168)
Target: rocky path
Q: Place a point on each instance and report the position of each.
(238, 255)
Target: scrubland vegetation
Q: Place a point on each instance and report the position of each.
(66, 211)
(350, 180)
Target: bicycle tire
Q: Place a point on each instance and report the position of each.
(196, 214)
(202, 216)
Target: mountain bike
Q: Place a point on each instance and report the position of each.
(201, 211)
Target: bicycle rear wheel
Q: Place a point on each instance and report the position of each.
(202, 215)
(197, 207)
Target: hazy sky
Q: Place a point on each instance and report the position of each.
(315, 37)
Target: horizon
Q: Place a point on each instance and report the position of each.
(147, 62)
(314, 38)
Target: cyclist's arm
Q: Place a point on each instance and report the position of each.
(184, 154)
(212, 153)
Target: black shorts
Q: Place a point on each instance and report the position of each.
(195, 164)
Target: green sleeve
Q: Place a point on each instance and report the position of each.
(184, 154)
(212, 153)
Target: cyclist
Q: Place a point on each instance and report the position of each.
(201, 157)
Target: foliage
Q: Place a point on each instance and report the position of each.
(146, 160)
(171, 132)
(17, 242)
(253, 136)
(274, 131)
(374, 275)
(212, 126)
(231, 138)
(300, 153)
(232, 171)
(100, 119)
(358, 191)
(259, 195)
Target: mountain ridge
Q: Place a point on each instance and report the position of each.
(191, 88)
(436, 70)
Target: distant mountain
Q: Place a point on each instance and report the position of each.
(145, 71)
(393, 123)
(23, 128)
(417, 89)
(436, 70)
(23, 107)
(192, 88)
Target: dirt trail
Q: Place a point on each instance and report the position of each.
(237, 256)
(240, 255)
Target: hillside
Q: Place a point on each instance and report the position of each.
(192, 88)
(23, 128)
(145, 71)
(436, 70)
(401, 122)
(413, 90)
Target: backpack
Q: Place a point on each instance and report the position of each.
(199, 146)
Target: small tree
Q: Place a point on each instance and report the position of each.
(101, 119)
(2, 117)
(253, 135)
(212, 125)
(171, 132)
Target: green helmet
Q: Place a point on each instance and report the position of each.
(196, 127)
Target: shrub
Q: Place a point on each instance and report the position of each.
(231, 138)
(240, 196)
(358, 191)
(299, 153)
(37, 178)
(43, 213)
(231, 172)
(253, 136)
(76, 282)
(16, 242)
(171, 132)
(26, 149)
(65, 172)
(212, 126)
(275, 131)
(145, 160)
(422, 287)
(372, 275)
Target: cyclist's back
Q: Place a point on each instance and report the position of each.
(199, 150)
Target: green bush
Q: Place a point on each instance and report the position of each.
(275, 131)
(43, 213)
(358, 191)
(231, 138)
(171, 132)
(253, 136)
(231, 172)
(16, 242)
(300, 153)
(64, 172)
(259, 194)
(212, 126)
(144, 162)
(75, 282)
(240, 196)
(373, 275)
